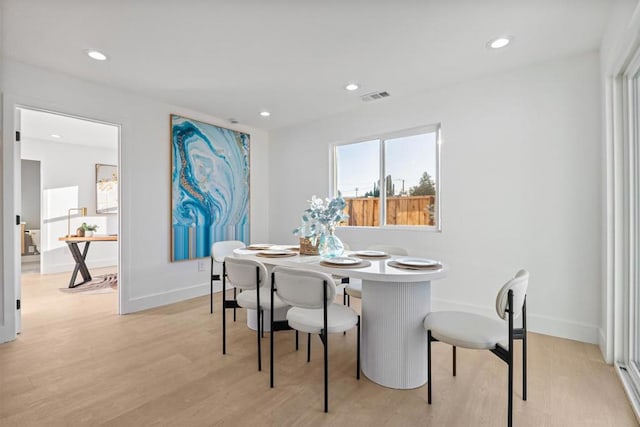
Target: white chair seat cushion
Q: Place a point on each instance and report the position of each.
(466, 330)
(247, 299)
(339, 319)
(354, 289)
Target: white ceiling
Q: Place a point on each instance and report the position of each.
(41, 125)
(235, 58)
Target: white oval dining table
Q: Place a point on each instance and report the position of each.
(395, 302)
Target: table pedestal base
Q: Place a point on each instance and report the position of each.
(278, 314)
(394, 342)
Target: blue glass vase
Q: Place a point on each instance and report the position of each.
(330, 245)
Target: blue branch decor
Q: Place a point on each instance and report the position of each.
(320, 217)
(209, 187)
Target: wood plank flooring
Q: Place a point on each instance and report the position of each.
(77, 363)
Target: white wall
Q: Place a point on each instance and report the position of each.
(520, 187)
(148, 277)
(68, 180)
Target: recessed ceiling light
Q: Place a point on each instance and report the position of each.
(97, 55)
(499, 42)
(56, 136)
(351, 87)
(265, 113)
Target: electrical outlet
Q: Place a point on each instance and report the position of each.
(201, 266)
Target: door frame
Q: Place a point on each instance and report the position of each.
(10, 252)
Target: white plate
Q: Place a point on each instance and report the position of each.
(285, 247)
(417, 262)
(276, 252)
(342, 261)
(371, 253)
(260, 246)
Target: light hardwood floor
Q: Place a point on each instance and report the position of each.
(77, 363)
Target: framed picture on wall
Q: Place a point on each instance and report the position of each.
(106, 189)
(209, 187)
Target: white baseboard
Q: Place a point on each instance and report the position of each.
(48, 268)
(170, 297)
(535, 323)
(602, 343)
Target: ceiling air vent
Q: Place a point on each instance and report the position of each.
(374, 96)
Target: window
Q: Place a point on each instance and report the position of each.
(391, 180)
(630, 363)
(622, 320)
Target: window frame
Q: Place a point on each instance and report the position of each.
(382, 138)
(630, 363)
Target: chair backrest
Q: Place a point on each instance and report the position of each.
(242, 273)
(519, 286)
(391, 250)
(219, 250)
(303, 288)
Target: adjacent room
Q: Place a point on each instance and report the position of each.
(296, 213)
(69, 200)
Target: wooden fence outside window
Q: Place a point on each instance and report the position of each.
(401, 210)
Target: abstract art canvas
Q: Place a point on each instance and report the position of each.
(209, 187)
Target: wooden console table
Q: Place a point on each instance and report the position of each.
(79, 257)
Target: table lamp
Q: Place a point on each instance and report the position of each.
(83, 211)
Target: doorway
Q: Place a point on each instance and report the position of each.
(69, 227)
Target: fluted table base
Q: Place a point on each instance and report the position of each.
(278, 315)
(394, 342)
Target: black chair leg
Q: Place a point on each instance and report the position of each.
(510, 409)
(454, 360)
(326, 371)
(211, 282)
(358, 350)
(308, 348)
(258, 336)
(234, 309)
(524, 349)
(510, 358)
(224, 323)
(524, 367)
(429, 367)
(271, 345)
(344, 301)
(296, 340)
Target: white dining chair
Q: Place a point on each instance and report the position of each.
(220, 250)
(311, 295)
(473, 331)
(252, 278)
(354, 287)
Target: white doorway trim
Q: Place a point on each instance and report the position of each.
(10, 252)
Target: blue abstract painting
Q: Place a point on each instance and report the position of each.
(209, 187)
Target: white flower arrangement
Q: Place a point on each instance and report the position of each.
(321, 216)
